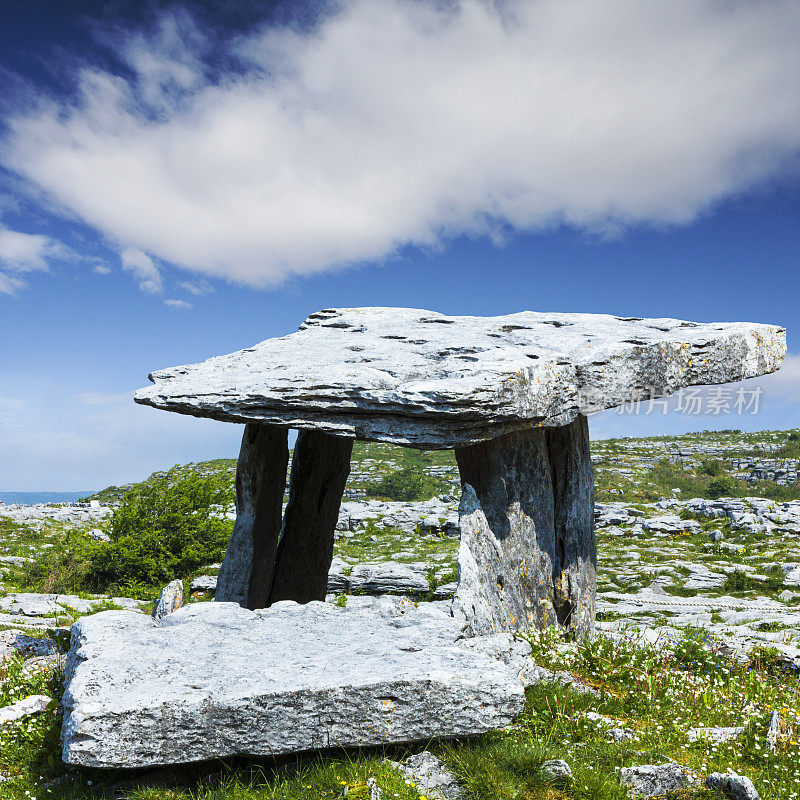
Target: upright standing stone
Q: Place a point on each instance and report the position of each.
(169, 601)
(248, 568)
(508, 547)
(527, 555)
(320, 466)
(575, 561)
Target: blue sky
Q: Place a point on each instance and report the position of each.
(176, 183)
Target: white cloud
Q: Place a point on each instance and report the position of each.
(399, 122)
(25, 252)
(179, 304)
(785, 383)
(101, 269)
(196, 287)
(145, 271)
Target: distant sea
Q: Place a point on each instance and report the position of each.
(31, 498)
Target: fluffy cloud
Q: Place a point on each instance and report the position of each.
(395, 122)
(181, 305)
(144, 270)
(784, 385)
(25, 252)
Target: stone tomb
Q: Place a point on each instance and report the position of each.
(260, 674)
(510, 394)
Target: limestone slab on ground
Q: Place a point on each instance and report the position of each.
(424, 379)
(215, 680)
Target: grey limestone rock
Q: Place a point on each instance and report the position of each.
(246, 572)
(32, 604)
(737, 787)
(424, 379)
(30, 706)
(527, 557)
(204, 583)
(773, 730)
(284, 679)
(431, 777)
(653, 780)
(169, 601)
(670, 523)
(338, 580)
(792, 577)
(720, 735)
(557, 770)
(388, 577)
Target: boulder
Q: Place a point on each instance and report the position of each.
(431, 777)
(557, 770)
(736, 787)
(28, 707)
(338, 580)
(204, 583)
(653, 780)
(169, 601)
(284, 679)
(387, 577)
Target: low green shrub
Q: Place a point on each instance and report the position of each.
(724, 486)
(406, 484)
(163, 530)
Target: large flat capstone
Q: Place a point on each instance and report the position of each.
(427, 380)
(215, 680)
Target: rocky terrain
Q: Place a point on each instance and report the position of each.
(722, 573)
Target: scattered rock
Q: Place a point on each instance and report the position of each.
(671, 523)
(652, 780)
(28, 646)
(717, 735)
(31, 604)
(169, 601)
(737, 787)
(387, 578)
(28, 707)
(557, 770)
(620, 734)
(792, 578)
(204, 583)
(773, 730)
(431, 777)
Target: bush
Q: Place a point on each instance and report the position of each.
(738, 581)
(713, 468)
(163, 530)
(724, 486)
(406, 484)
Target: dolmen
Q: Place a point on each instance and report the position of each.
(272, 669)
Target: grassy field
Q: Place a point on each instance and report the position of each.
(649, 697)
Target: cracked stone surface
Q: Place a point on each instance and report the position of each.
(377, 673)
(420, 378)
